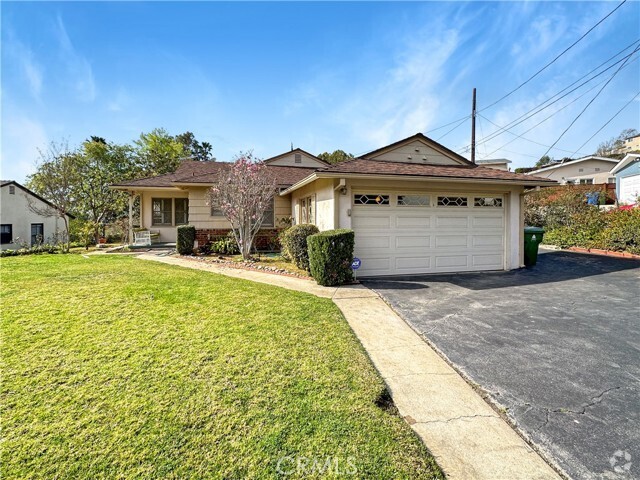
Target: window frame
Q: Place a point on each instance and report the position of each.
(41, 225)
(185, 212)
(386, 199)
(496, 198)
(3, 234)
(162, 212)
(402, 195)
(273, 215)
(307, 206)
(464, 197)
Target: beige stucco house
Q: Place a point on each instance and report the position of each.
(587, 170)
(21, 218)
(415, 206)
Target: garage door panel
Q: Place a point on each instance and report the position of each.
(376, 264)
(413, 221)
(411, 264)
(369, 221)
(452, 261)
(446, 241)
(443, 221)
(487, 222)
(373, 241)
(485, 261)
(487, 240)
(418, 241)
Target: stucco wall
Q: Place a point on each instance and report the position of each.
(289, 161)
(588, 168)
(418, 153)
(167, 233)
(323, 192)
(14, 210)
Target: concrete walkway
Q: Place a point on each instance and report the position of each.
(466, 436)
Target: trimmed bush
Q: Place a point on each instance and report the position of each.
(186, 237)
(294, 244)
(330, 256)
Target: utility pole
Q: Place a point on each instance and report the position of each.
(473, 128)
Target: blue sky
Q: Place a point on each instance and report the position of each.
(324, 76)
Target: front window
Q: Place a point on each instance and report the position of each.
(269, 217)
(162, 210)
(586, 181)
(182, 211)
(37, 233)
(6, 233)
(307, 210)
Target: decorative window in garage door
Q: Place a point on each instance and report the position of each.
(370, 199)
(413, 200)
(487, 202)
(452, 201)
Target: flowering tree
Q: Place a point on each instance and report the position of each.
(244, 192)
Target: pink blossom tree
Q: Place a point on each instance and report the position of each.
(244, 192)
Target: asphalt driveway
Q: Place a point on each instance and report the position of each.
(557, 345)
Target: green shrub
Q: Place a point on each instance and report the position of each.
(330, 256)
(622, 231)
(294, 244)
(186, 237)
(225, 246)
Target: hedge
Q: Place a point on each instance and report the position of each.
(186, 237)
(330, 256)
(294, 243)
(616, 230)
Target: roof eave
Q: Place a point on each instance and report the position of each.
(500, 181)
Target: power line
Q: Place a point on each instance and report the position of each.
(521, 135)
(454, 128)
(555, 59)
(607, 123)
(541, 107)
(447, 124)
(590, 102)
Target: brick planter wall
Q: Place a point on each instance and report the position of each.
(265, 240)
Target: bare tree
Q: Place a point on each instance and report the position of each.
(244, 192)
(55, 181)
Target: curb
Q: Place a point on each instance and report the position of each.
(605, 253)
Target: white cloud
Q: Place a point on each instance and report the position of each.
(27, 64)
(21, 139)
(78, 67)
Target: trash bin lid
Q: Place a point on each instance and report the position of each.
(533, 230)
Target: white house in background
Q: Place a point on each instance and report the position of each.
(586, 171)
(630, 144)
(627, 175)
(497, 163)
(415, 206)
(19, 224)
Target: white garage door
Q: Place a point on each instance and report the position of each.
(629, 189)
(428, 233)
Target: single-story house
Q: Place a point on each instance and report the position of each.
(497, 163)
(19, 223)
(584, 171)
(415, 206)
(627, 175)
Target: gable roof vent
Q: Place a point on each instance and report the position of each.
(12, 189)
(298, 158)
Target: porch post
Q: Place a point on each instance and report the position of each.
(131, 197)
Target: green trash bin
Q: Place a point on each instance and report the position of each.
(532, 238)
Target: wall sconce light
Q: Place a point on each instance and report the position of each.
(343, 190)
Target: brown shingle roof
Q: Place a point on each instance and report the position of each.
(187, 168)
(194, 172)
(285, 176)
(380, 167)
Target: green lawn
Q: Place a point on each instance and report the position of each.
(114, 367)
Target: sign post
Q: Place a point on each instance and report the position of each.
(355, 265)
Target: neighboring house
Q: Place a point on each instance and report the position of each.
(415, 206)
(630, 144)
(497, 163)
(587, 170)
(627, 175)
(19, 224)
